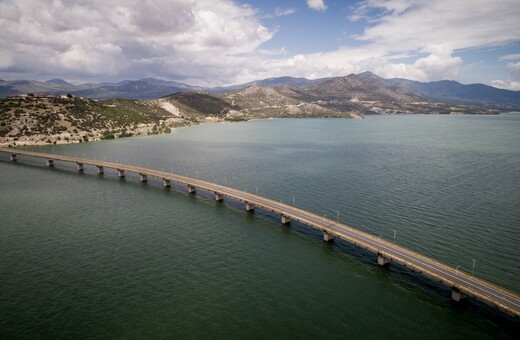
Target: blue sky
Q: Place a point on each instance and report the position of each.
(223, 42)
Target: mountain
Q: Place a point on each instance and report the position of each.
(135, 89)
(138, 89)
(369, 94)
(59, 82)
(269, 82)
(257, 101)
(455, 92)
(34, 119)
(339, 92)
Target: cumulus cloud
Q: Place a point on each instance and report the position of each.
(409, 24)
(317, 5)
(126, 38)
(213, 42)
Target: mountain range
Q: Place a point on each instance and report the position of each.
(43, 119)
(335, 91)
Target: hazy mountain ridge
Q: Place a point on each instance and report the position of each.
(365, 86)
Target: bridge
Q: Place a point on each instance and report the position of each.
(462, 284)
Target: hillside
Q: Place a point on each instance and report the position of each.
(264, 102)
(454, 92)
(68, 120)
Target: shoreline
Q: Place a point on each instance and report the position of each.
(60, 139)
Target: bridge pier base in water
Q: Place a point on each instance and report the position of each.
(50, 162)
(143, 178)
(13, 157)
(327, 237)
(166, 183)
(285, 219)
(219, 197)
(191, 189)
(120, 173)
(250, 206)
(79, 166)
(382, 261)
(100, 169)
(456, 294)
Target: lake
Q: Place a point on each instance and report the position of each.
(91, 256)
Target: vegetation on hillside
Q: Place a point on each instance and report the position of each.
(65, 120)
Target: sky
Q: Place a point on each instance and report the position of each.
(225, 42)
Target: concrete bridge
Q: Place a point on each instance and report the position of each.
(462, 284)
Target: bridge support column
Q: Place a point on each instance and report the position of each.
(382, 261)
(191, 189)
(50, 162)
(100, 169)
(327, 237)
(120, 173)
(166, 183)
(456, 294)
(250, 206)
(285, 219)
(13, 157)
(79, 166)
(143, 178)
(219, 197)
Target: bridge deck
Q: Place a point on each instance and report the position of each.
(463, 282)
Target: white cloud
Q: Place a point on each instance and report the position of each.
(281, 12)
(132, 38)
(506, 84)
(317, 5)
(412, 24)
(280, 51)
(510, 57)
(213, 42)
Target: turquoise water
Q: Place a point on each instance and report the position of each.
(94, 256)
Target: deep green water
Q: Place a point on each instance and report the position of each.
(89, 256)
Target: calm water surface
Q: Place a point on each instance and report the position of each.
(89, 256)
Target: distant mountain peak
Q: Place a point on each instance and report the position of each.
(58, 82)
(369, 75)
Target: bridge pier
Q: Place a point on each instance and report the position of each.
(13, 157)
(100, 169)
(79, 166)
(285, 219)
(219, 197)
(456, 294)
(191, 189)
(50, 162)
(382, 261)
(250, 206)
(143, 178)
(120, 173)
(166, 183)
(327, 237)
